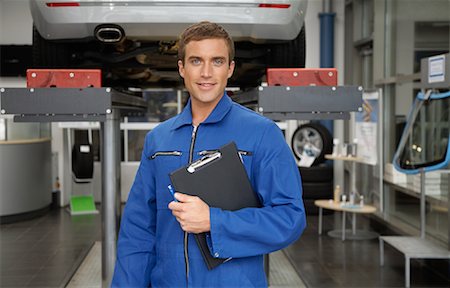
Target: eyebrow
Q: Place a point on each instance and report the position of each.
(213, 58)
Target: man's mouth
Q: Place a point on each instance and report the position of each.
(206, 85)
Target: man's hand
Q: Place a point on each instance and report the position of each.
(191, 212)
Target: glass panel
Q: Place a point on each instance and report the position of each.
(96, 144)
(135, 144)
(437, 221)
(2, 129)
(45, 130)
(367, 67)
(408, 32)
(431, 38)
(10, 130)
(406, 207)
(162, 105)
(367, 19)
(405, 212)
(22, 131)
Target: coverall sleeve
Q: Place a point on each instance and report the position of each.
(280, 220)
(135, 247)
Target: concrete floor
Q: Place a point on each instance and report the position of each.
(48, 250)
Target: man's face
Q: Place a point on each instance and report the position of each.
(206, 70)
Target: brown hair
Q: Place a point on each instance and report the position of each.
(201, 31)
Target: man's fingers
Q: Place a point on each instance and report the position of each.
(191, 212)
(184, 197)
(175, 206)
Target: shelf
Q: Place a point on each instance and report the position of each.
(441, 200)
(344, 158)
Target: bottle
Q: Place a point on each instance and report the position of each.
(355, 147)
(352, 198)
(344, 149)
(337, 194)
(361, 201)
(336, 147)
(344, 198)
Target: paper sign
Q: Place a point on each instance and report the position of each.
(436, 69)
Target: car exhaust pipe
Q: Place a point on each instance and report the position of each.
(109, 33)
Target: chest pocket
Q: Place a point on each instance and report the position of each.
(165, 162)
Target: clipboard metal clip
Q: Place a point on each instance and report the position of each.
(203, 161)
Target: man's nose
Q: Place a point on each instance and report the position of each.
(206, 70)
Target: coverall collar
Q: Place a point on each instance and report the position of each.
(219, 112)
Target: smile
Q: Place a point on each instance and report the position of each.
(206, 86)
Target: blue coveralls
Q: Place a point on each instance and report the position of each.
(151, 245)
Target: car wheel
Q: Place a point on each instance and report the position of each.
(48, 54)
(291, 54)
(312, 139)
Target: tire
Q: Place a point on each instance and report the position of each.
(312, 139)
(48, 54)
(320, 173)
(291, 54)
(317, 190)
(82, 163)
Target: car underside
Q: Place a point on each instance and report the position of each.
(132, 63)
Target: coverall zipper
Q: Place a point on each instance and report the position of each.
(191, 157)
(208, 152)
(165, 153)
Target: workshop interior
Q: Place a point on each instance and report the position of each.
(359, 88)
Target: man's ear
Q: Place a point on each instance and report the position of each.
(181, 68)
(231, 69)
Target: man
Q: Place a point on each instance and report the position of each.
(156, 246)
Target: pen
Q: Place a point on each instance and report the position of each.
(172, 192)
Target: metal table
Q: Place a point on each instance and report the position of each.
(352, 234)
(413, 247)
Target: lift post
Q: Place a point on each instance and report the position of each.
(81, 104)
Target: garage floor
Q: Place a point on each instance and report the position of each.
(47, 251)
(89, 274)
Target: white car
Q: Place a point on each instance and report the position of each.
(135, 42)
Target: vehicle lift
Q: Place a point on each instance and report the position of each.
(75, 95)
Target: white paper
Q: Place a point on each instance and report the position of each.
(436, 69)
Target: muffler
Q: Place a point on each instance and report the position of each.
(109, 33)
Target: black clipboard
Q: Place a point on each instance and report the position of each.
(221, 181)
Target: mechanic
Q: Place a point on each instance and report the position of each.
(156, 246)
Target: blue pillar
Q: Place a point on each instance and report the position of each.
(327, 50)
(327, 40)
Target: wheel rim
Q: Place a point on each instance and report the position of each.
(307, 141)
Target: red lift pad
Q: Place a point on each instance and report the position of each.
(64, 78)
(302, 77)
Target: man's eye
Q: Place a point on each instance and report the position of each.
(218, 62)
(195, 61)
